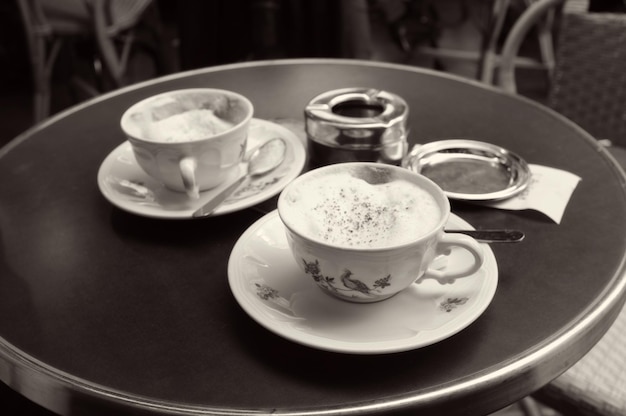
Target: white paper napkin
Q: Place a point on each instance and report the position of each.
(549, 192)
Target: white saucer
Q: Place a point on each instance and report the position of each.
(128, 187)
(269, 286)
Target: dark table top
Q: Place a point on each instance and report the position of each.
(104, 311)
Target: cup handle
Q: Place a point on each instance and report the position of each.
(444, 247)
(187, 166)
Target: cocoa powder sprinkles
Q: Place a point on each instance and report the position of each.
(358, 218)
(343, 210)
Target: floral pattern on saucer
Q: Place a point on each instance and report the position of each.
(451, 304)
(270, 286)
(128, 187)
(269, 294)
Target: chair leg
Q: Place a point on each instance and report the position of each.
(488, 60)
(529, 407)
(41, 106)
(43, 63)
(41, 95)
(106, 44)
(546, 42)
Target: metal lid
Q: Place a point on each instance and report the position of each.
(470, 170)
(385, 108)
(357, 124)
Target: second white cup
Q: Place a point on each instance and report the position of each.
(190, 140)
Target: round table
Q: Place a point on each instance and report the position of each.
(107, 312)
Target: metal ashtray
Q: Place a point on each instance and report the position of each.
(470, 170)
(356, 124)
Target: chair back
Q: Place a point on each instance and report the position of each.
(589, 80)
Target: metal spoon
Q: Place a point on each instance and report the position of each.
(261, 160)
(492, 236)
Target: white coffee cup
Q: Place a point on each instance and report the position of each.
(366, 231)
(190, 140)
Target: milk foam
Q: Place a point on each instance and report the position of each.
(343, 210)
(187, 126)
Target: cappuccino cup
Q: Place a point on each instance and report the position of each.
(190, 140)
(366, 231)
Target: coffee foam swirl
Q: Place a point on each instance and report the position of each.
(343, 210)
(188, 126)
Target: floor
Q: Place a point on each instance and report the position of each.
(16, 113)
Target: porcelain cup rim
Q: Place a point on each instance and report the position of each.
(442, 200)
(124, 120)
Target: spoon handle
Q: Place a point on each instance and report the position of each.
(492, 236)
(214, 202)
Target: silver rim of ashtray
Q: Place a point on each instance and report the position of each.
(511, 169)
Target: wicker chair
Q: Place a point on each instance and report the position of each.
(588, 84)
(589, 87)
(107, 24)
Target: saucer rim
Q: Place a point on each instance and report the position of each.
(295, 169)
(484, 298)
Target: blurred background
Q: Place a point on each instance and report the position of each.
(168, 36)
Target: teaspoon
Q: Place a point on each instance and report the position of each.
(262, 160)
(492, 236)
